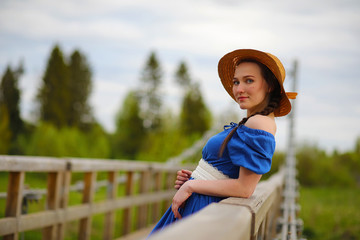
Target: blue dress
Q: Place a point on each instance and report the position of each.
(248, 147)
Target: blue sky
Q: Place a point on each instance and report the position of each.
(117, 37)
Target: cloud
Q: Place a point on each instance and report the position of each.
(117, 37)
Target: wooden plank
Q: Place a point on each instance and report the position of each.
(216, 221)
(88, 165)
(110, 216)
(129, 190)
(63, 201)
(169, 184)
(138, 235)
(260, 202)
(143, 209)
(52, 217)
(156, 206)
(52, 202)
(31, 164)
(8, 225)
(88, 196)
(13, 200)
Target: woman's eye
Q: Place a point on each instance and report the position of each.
(249, 80)
(236, 82)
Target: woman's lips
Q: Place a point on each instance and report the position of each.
(242, 98)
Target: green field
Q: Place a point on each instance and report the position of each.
(330, 213)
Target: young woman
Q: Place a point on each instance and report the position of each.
(235, 159)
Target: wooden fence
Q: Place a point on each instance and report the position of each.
(234, 218)
(144, 195)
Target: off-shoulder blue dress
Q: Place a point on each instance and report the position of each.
(248, 147)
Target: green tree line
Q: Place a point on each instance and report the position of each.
(65, 124)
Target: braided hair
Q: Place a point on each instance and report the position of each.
(275, 97)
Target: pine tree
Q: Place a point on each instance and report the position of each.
(5, 133)
(54, 94)
(80, 89)
(194, 116)
(10, 99)
(130, 132)
(151, 100)
(182, 76)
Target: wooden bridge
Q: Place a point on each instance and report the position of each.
(134, 197)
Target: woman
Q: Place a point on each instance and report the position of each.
(235, 159)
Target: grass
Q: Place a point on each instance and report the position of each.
(330, 213)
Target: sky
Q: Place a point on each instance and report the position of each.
(117, 37)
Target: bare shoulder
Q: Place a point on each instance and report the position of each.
(263, 123)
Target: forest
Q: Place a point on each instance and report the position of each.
(65, 125)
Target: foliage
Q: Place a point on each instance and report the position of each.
(5, 133)
(48, 140)
(195, 118)
(151, 102)
(167, 142)
(80, 89)
(330, 213)
(317, 168)
(10, 100)
(53, 95)
(65, 90)
(130, 132)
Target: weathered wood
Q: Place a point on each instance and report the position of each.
(261, 200)
(110, 216)
(127, 211)
(51, 164)
(88, 196)
(216, 221)
(63, 201)
(156, 206)
(14, 198)
(52, 202)
(143, 209)
(52, 217)
(31, 164)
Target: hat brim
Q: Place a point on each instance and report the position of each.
(226, 70)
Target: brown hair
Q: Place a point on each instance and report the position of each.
(275, 96)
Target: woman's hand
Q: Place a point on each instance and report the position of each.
(182, 176)
(179, 199)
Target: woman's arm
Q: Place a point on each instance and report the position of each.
(244, 187)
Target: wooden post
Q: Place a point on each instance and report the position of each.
(127, 211)
(63, 201)
(13, 200)
(88, 196)
(52, 202)
(170, 180)
(156, 206)
(143, 209)
(109, 217)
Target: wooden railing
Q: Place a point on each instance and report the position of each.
(145, 188)
(233, 218)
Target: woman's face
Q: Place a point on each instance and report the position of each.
(250, 88)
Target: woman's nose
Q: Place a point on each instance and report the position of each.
(238, 88)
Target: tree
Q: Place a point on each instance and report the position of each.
(130, 131)
(80, 89)
(10, 99)
(54, 94)
(5, 133)
(195, 118)
(182, 76)
(150, 97)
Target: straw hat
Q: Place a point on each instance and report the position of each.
(227, 65)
